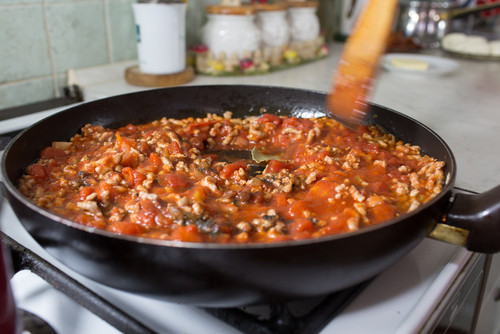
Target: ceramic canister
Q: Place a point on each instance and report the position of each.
(303, 20)
(161, 37)
(231, 30)
(272, 22)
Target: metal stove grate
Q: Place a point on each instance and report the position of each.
(281, 319)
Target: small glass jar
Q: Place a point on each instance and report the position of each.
(303, 21)
(231, 30)
(272, 22)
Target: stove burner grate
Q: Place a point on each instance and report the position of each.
(281, 319)
(25, 259)
(284, 319)
(34, 324)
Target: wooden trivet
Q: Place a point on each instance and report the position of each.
(134, 76)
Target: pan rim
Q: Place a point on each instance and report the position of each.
(13, 191)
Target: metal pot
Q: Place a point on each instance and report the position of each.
(426, 22)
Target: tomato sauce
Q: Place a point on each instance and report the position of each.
(165, 179)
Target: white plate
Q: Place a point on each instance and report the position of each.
(471, 56)
(437, 65)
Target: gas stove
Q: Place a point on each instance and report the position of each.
(427, 291)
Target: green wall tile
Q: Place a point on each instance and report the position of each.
(122, 30)
(20, 2)
(77, 34)
(26, 92)
(24, 51)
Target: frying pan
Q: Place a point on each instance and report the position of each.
(229, 275)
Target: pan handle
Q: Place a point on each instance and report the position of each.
(474, 220)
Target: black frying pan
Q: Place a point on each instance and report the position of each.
(235, 275)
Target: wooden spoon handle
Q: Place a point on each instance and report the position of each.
(357, 68)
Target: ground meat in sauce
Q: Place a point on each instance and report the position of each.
(163, 180)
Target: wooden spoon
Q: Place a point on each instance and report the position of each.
(355, 75)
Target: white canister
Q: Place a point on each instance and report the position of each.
(231, 30)
(303, 20)
(161, 37)
(272, 23)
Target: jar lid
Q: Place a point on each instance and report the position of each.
(161, 1)
(231, 10)
(269, 7)
(303, 4)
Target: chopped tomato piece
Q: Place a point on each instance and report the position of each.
(299, 123)
(84, 192)
(297, 209)
(199, 125)
(280, 200)
(276, 120)
(301, 225)
(320, 156)
(132, 177)
(52, 153)
(323, 189)
(379, 186)
(126, 227)
(129, 129)
(130, 158)
(199, 194)
(373, 148)
(123, 142)
(275, 166)
(51, 166)
(104, 191)
(229, 169)
(147, 216)
(155, 160)
(382, 212)
(174, 180)
(37, 171)
(258, 198)
(174, 148)
(198, 143)
(188, 233)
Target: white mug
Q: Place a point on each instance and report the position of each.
(161, 37)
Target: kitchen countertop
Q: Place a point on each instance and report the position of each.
(463, 106)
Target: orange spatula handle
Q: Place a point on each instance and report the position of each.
(353, 79)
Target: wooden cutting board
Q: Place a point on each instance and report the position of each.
(356, 71)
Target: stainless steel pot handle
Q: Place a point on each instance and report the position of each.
(473, 221)
(454, 13)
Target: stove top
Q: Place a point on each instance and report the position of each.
(406, 298)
